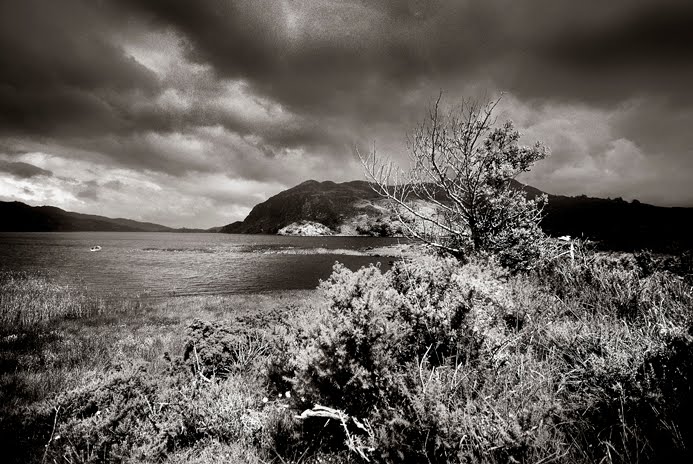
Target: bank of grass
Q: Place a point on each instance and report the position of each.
(63, 350)
(585, 359)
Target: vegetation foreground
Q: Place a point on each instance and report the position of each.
(582, 360)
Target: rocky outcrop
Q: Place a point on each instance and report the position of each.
(305, 229)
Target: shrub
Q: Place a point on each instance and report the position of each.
(215, 349)
(380, 227)
(135, 414)
(586, 360)
(390, 345)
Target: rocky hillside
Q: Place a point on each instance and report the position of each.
(340, 207)
(353, 208)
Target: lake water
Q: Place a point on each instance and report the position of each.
(167, 264)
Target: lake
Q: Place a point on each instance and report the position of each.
(172, 264)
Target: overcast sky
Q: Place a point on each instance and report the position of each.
(188, 113)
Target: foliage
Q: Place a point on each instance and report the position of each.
(465, 166)
(216, 350)
(139, 412)
(132, 415)
(97, 389)
(380, 227)
(585, 360)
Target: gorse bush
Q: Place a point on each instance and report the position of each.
(216, 350)
(586, 360)
(394, 347)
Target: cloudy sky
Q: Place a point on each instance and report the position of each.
(188, 113)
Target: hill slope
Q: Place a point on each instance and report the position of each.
(619, 224)
(615, 223)
(20, 217)
(328, 203)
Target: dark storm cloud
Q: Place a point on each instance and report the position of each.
(23, 170)
(640, 48)
(60, 71)
(247, 33)
(344, 67)
(655, 35)
(359, 59)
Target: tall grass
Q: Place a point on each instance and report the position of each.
(28, 299)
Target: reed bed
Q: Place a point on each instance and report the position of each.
(28, 299)
(31, 299)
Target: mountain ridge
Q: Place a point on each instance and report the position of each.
(20, 217)
(615, 223)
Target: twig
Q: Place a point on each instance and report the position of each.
(55, 422)
(199, 368)
(424, 359)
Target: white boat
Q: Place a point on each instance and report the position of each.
(95, 248)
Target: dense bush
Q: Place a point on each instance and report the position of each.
(216, 350)
(406, 351)
(380, 227)
(585, 360)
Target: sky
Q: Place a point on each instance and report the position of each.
(188, 113)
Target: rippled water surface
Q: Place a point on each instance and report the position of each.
(162, 264)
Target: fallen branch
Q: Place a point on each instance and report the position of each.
(353, 443)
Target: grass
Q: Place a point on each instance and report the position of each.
(57, 340)
(585, 360)
(27, 300)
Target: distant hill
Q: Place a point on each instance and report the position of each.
(19, 217)
(618, 224)
(347, 207)
(328, 203)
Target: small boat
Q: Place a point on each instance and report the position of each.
(95, 248)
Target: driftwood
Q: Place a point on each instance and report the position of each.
(353, 442)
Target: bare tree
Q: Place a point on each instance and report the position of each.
(458, 194)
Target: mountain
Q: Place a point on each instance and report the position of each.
(328, 203)
(20, 217)
(353, 207)
(618, 224)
